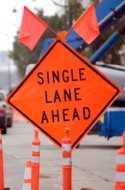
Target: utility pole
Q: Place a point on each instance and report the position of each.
(72, 10)
(96, 1)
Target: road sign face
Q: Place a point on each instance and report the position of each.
(63, 90)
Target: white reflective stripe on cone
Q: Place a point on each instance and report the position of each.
(120, 177)
(120, 159)
(66, 147)
(35, 159)
(35, 148)
(27, 186)
(67, 161)
(27, 174)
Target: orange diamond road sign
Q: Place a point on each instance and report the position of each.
(63, 90)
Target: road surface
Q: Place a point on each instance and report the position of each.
(93, 162)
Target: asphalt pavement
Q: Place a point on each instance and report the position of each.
(93, 166)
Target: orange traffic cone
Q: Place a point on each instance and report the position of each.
(67, 163)
(120, 167)
(27, 184)
(1, 164)
(35, 161)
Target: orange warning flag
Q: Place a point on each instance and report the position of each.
(32, 28)
(87, 25)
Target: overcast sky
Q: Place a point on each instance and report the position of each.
(10, 22)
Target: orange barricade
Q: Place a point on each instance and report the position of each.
(1, 164)
(35, 161)
(27, 176)
(67, 163)
(120, 167)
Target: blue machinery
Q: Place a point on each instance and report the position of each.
(112, 123)
(108, 12)
(112, 39)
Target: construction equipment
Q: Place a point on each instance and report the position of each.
(108, 12)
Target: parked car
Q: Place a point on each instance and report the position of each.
(6, 114)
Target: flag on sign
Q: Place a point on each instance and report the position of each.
(87, 25)
(32, 28)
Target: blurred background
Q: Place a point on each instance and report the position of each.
(60, 15)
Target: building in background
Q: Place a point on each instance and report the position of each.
(9, 77)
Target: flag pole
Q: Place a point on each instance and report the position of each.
(68, 32)
(52, 30)
(57, 34)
